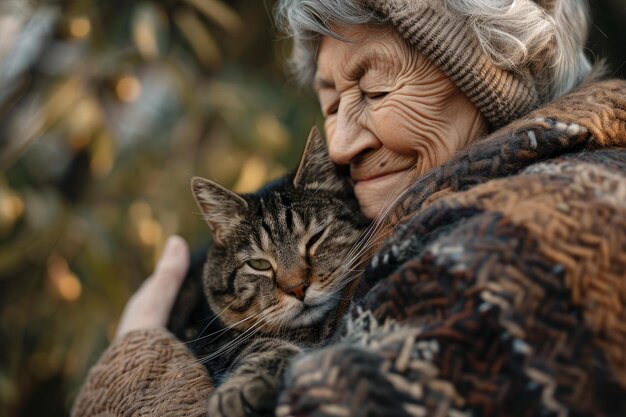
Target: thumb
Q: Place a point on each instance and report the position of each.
(151, 305)
(170, 270)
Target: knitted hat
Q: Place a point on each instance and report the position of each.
(448, 41)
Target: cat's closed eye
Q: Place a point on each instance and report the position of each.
(260, 264)
(313, 240)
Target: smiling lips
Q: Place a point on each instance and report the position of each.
(376, 193)
(369, 177)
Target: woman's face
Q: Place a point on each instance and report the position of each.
(390, 114)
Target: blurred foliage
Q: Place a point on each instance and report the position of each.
(107, 109)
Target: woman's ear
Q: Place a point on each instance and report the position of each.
(222, 209)
(316, 171)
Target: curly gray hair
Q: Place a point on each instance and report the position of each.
(514, 34)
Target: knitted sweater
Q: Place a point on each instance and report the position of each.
(502, 292)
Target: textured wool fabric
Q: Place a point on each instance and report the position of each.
(503, 292)
(516, 310)
(500, 295)
(501, 95)
(145, 373)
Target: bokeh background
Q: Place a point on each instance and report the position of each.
(107, 109)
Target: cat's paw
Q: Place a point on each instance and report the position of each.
(323, 383)
(244, 396)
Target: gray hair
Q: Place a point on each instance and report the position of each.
(515, 34)
(306, 21)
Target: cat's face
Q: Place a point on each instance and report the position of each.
(284, 258)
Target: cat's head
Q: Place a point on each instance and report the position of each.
(283, 257)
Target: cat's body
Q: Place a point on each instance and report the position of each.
(277, 279)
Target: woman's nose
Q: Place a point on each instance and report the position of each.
(348, 137)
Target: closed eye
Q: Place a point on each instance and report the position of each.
(375, 95)
(332, 109)
(314, 240)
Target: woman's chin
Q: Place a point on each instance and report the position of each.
(370, 211)
(377, 195)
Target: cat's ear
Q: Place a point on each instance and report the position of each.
(316, 171)
(221, 208)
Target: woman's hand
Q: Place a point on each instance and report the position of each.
(150, 306)
(142, 371)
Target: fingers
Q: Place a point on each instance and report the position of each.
(170, 272)
(150, 306)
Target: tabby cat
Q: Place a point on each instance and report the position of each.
(278, 276)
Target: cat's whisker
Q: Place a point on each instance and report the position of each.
(372, 243)
(346, 282)
(266, 315)
(200, 335)
(359, 249)
(252, 331)
(231, 327)
(237, 341)
(365, 235)
(233, 344)
(217, 333)
(374, 235)
(365, 242)
(362, 242)
(347, 266)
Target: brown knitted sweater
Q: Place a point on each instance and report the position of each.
(503, 293)
(145, 373)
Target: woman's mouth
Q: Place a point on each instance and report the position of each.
(383, 179)
(376, 192)
(374, 178)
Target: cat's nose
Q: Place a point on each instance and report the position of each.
(297, 290)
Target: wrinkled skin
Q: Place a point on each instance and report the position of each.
(390, 114)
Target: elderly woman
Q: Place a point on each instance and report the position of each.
(503, 289)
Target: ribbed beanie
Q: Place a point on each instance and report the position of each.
(448, 41)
